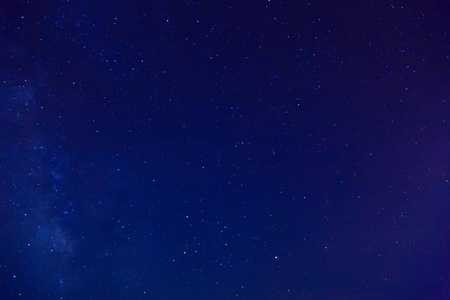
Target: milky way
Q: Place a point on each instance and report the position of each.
(235, 150)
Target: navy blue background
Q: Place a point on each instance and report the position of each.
(224, 149)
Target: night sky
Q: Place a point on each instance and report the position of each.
(224, 149)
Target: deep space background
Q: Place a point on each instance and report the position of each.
(224, 149)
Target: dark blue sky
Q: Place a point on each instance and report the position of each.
(224, 149)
